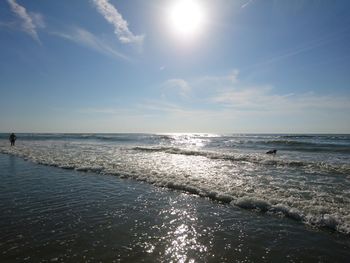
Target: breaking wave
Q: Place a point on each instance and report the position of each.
(313, 191)
(253, 158)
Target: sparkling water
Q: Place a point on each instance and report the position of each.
(308, 180)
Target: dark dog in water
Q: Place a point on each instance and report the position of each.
(274, 151)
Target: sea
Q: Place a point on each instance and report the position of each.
(182, 197)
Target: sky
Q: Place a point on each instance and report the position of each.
(223, 66)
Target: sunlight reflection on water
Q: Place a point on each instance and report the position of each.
(183, 237)
(301, 181)
(55, 215)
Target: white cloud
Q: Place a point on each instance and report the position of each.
(228, 91)
(233, 76)
(218, 81)
(263, 99)
(38, 19)
(247, 3)
(121, 29)
(226, 100)
(175, 87)
(229, 107)
(87, 39)
(303, 47)
(28, 24)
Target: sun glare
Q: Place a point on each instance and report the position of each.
(186, 17)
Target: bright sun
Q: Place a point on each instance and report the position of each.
(186, 17)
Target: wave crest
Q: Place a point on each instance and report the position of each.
(261, 159)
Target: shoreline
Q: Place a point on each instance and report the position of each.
(324, 223)
(69, 215)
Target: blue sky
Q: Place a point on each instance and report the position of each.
(136, 66)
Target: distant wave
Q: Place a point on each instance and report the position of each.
(323, 220)
(318, 136)
(307, 146)
(257, 159)
(120, 137)
(319, 210)
(310, 143)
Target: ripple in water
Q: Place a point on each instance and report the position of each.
(56, 215)
(311, 188)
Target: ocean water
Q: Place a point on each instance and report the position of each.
(49, 214)
(308, 180)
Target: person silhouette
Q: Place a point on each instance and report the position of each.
(12, 139)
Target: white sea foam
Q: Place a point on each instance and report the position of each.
(306, 192)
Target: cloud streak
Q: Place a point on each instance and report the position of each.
(227, 99)
(262, 99)
(121, 29)
(309, 46)
(229, 92)
(227, 104)
(176, 86)
(249, 2)
(85, 38)
(27, 25)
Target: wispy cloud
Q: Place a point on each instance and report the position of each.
(264, 100)
(247, 3)
(231, 106)
(176, 86)
(121, 28)
(228, 92)
(7, 24)
(28, 24)
(87, 39)
(226, 80)
(38, 20)
(322, 41)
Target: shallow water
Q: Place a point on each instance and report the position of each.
(56, 215)
(308, 180)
